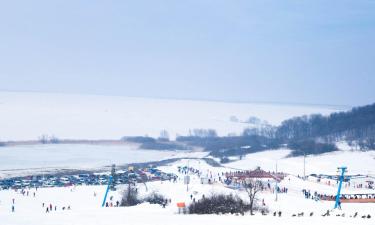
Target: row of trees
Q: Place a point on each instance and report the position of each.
(46, 139)
(314, 134)
(358, 123)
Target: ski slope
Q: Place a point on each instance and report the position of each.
(27, 116)
(86, 207)
(357, 162)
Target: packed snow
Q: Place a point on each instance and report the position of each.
(85, 203)
(358, 162)
(26, 116)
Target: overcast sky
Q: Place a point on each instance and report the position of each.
(320, 52)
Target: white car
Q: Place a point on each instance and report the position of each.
(64, 180)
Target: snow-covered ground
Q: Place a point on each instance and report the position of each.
(357, 162)
(26, 116)
(28, 159)
(85, 207)
(25, 160)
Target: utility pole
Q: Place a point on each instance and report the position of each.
(304, 165)
(343, 170)
(114, 177)
(276, 183)
(187, 177)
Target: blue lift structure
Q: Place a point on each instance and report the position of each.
(106, 192)
(343, 170)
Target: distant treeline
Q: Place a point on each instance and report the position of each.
(230, 145)
(156, 144)
(314, 134)
(356, 126)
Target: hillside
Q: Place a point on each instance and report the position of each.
(308, 134)
(356, 127)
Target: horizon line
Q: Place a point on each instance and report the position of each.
(334, 106)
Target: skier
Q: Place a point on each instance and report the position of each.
(47, 210)
(12, 208)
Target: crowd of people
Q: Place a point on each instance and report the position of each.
(26, 193)
(353, 183)
(318, 196)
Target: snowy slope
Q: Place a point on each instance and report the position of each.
(26, 116)
(19, 160)
(357, 162)
(85, 207)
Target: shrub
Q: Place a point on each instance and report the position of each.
(219, 204)
(155, 198)
(224, 160)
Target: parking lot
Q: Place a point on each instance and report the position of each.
(60, 180)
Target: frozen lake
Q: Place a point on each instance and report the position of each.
(93, 117)
(79, 156)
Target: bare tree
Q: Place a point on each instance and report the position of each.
(252, 187)
(164, 135)
(130, 195)
(54, 140)
(44, 139)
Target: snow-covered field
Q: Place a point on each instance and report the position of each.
(26, 116)
(25, 160)
(85, 207)
(357, 162)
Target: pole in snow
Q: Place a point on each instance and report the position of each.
(304, 165)
(343, 170)
(276, 183)
(106, 192)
